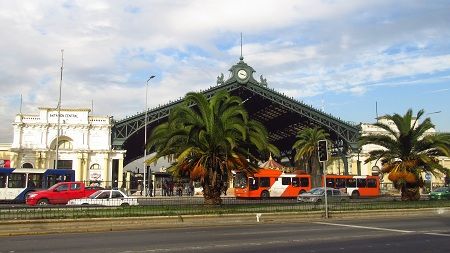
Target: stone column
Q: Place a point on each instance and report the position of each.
(105, 171)
(120, 173)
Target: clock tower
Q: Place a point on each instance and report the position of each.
(241, 73)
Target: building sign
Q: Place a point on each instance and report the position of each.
(5, 163)
(67, 117)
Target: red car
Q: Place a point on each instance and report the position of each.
(60, 193)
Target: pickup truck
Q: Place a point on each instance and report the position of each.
(60, 193)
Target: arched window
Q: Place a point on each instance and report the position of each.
(94, 166)
(27, 165)
(65, 144)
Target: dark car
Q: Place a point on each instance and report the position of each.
(440, 193)
(317, 195)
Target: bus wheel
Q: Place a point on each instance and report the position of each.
(355, 194)
(265, 195)
(42, 202)
(124, 204)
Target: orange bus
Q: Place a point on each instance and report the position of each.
(355, 186)
(268, 183)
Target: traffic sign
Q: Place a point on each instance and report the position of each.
(428, 176)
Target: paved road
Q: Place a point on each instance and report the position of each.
(425, 234)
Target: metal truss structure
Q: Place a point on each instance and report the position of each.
(282, 116)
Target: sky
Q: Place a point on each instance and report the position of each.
(353, 59)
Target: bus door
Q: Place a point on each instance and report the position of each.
(253, 183)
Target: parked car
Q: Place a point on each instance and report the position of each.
(60, 193)
(440, 193)
(106, 198)
(317, 195)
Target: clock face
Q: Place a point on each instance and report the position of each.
(242, 74)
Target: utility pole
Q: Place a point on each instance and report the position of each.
(55, 166)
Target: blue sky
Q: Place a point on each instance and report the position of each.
(340, 56)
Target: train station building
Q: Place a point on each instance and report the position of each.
(98, 148)
(83, 144)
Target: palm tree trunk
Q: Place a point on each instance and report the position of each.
(211, 195)
(410, 193)
(212, 189)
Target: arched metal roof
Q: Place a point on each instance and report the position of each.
(282, 116)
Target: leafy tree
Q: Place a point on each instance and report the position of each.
(206, 139)
(407, 150)
(306, 150)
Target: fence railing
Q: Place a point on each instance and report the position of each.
(195, 206)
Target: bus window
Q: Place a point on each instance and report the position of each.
(2, 180)
(36, 179)
(351, 182)
(371, 183)
(253, 183)
(361, 182)
(51, 180)
(295, 181)
(330, 182)
(240, 180)
(264, 182)
(304, 182)
(286, 181)
(340, 183)
(17, 180)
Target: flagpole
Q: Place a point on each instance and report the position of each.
(55, 166)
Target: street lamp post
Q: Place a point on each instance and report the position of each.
(145, 136)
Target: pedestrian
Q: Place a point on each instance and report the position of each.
(139, 188)
(164, 188)
(171, 186)
(150, 188)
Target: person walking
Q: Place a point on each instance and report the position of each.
(150, 188)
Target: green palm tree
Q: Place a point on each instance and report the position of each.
(206, 139)
(407, 150)
(306, 150)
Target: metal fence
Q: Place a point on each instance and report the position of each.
(195, 206)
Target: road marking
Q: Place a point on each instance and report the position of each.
(437, 234)
(373, 228)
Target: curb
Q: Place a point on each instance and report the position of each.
(36, 227)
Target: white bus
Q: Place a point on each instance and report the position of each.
(15, 184)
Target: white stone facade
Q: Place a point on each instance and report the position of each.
(84, 144)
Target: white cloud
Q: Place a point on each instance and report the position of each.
(303, 48)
